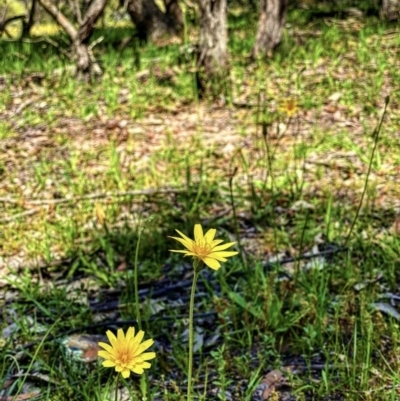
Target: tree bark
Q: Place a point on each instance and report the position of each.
(27, 24)
(151, 23)
(174, 13)
(270, 24)
(213, 64)
(390, 9)
(85, 61)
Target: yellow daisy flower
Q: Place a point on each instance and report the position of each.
(289, 107)
(205, 247)
(126, 353)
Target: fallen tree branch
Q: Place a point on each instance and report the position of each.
(60, 18)
(91, 196)
(18, 215)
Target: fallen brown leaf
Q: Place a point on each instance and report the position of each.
(270, 382)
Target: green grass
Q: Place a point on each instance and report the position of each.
(295, 182)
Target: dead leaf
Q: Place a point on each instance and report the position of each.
(20, 397)
(99, 212)
(83, 347)
(270, 382)
(335, 97)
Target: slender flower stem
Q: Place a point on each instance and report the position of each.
(376, 140)
(116, 388)
(235, 221)
(135, 278)
(144, 379)
(197, 268)
(205, 250)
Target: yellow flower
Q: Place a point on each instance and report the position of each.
(126, 352)
(205, 247)
(289, 107)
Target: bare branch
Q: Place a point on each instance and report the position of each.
(78, 12)
(73, 4)
(3, 17)
(147, 192)
(89, 20)
(60, 18)
(18, 216)
(86, 63)
(3, 24)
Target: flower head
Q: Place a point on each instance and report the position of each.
(205, 247)
(289, 107)
(125, 353)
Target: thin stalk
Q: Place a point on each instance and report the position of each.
(268, 153)
(270, 173)
(144, 380)
(235, 221)
(116, 388)
(376, 140)
(135, 278)
(33, 359)
(197, 268)
(303, 233)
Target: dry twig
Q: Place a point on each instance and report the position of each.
(90, 196)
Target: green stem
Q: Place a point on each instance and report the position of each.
(135, 278)
(144, 380)
(235, 221)
(197, 268)
(376, 140)
(116, 388)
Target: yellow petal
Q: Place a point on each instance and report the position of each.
(223, 255)
(139, 337)
(145, 365)
(216, 257)
(178, 251)
(111, 337)
(195, 255)
(198, 233)
(184, 242)
(106, 355)
(146, 356)
(126, 373)
(130, 333)
(210, 234)
(142, 347)
(212, 263)
(120, 335)
(138, 370)
(216, 242)
(108, 348)
(108, 364)
(222, 247)
(189, 240)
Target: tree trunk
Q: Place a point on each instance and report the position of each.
(174, 13)
(213, 64)
(27, 24)
(151, 23)
(86, 65)
(390, 9)
(85, 61)
(270, 24)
